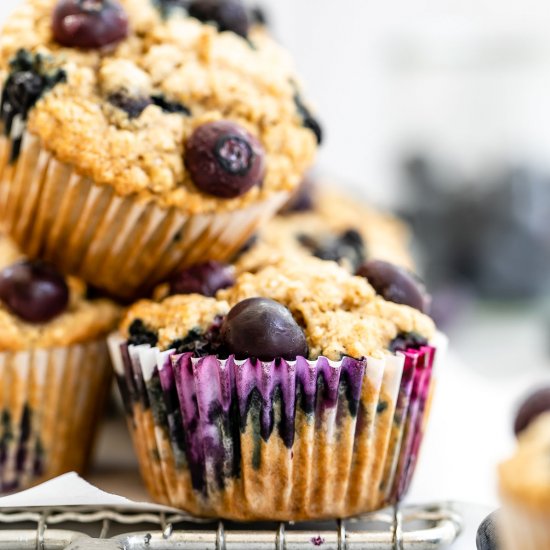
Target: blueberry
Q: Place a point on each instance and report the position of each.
(34, 291)
(308, 120)
(228, 15)
(201, 343)
(132, 106)
(258, 16)
(23, 90)
(348, 246)
(264, 329)
(170, 106)
(224, 159)
(407, 340)
(26, 82)
(89, 24)
(536, 404)
(206, 279)
(487, 537)
(140, 334)
(302, 200)
(396, 284)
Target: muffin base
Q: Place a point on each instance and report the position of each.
(50, 404)
(246, 440)
(124, 245)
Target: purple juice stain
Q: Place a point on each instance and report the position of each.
(205, 405)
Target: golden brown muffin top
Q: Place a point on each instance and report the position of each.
(333, 213)
(340, 314)
(83, 321)
(215, 75)
(525, 478)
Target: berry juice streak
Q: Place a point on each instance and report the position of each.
(207, 404)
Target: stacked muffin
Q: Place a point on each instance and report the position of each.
(54, 369)
(145, 144)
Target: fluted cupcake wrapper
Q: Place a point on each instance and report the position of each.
(125, 245)
(522, 528)
(50, 403)
(282, 440)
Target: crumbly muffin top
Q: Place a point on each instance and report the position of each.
(83, 321)
(340, 314)
(322, 231)
(185, 65)
(525, 478)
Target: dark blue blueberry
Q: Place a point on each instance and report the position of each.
(89, 24)
(263, 329)
(308, 120)
(396, 284)
(224, 160)
(407, 340)
(202, 343)
(348, 246)
(536, 404)
(258, 16)
(27, 81)
(227, 15)
(487, 536)
(132, 106)
(303, 199)
(140, 334)
(170, 106)
(206, 279)
(34, 291)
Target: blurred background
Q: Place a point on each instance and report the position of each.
(440, 111)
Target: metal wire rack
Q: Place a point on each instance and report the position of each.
(414, 527)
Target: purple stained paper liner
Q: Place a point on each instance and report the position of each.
(51, 401)
(249, 440)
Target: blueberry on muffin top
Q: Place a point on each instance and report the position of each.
(322, 222)
(140, 82)
(311, 306)
(40, 308)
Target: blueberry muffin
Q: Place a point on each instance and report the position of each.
(298, 376)
(144, 135)
(324, 222)
(54, 369)
(524, 479)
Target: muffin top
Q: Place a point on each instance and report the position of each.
(338, 314)
(194, 108)
(40, 309)
(325, 223)
(525, 478)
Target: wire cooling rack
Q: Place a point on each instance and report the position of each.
(414, 527)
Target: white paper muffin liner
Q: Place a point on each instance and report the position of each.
(247, 440)
(50, 404)
(125, 245)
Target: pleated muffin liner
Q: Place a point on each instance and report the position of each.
(50, 404)
(125, 245)
(521, 528)
(282, 440)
